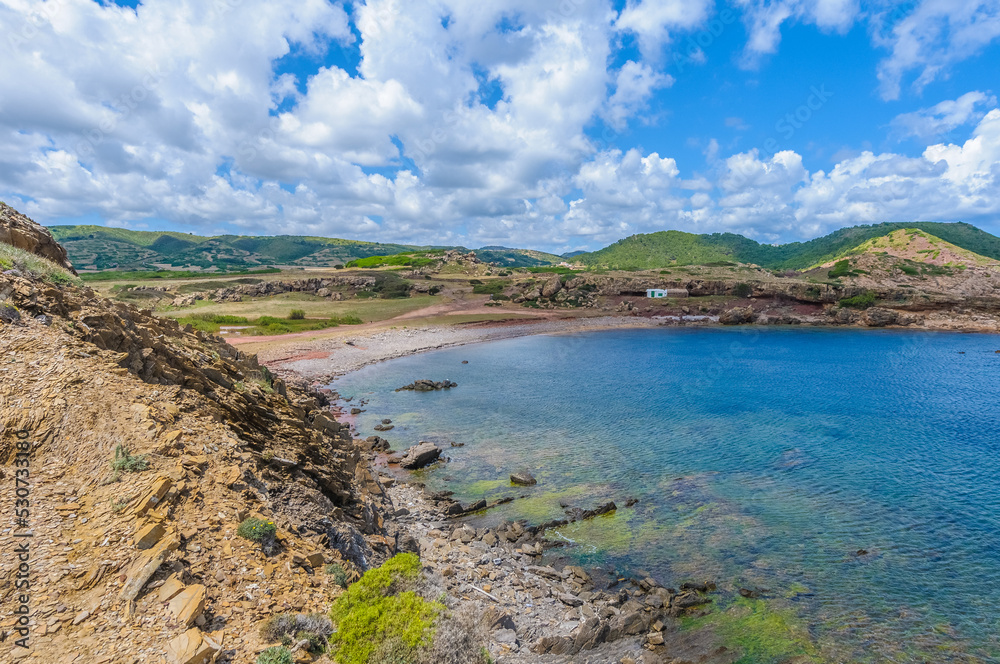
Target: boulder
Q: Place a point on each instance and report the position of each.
(552, 286)
(523, 478)
(193, 647)
(188, 604)
(737, 316)
(878, 317)
(420, 455)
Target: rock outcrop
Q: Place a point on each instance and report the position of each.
(19, 231)
(419, 456)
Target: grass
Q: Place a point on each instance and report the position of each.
(277, 306)
(380, 612)
(404, 260)
(34, 266)
(114, 275)
(489, 288)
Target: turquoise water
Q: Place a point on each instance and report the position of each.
(761, 459)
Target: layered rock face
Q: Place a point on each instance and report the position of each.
(148, 445)
(19, 231)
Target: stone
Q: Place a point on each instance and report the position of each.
(552, 286)
(188, 604)
(420, 456)
(170, 588)
(523, 478)
(151, 499)
(193, 647)
(146, 565)
(149, 536)
(569, 600)
(738, 316)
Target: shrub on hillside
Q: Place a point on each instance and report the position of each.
(380, 614)
(297, 314)
(260, 531)
(864, 301)
(294, 627)
(36, 267)
(742, 290)
(126, 462)
(840, 269)
(275, 655)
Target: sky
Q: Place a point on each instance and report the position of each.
(558, 125)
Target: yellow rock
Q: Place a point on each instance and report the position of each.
(153, 497)
(170, 589)
(149, 536)
(193, 647)
(188, 604)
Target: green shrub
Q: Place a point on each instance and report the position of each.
(287, 627)
(840, 269)
(257, 530)
(339, 574)
(863, 301)
(125, 462)
(492, 288)
(347, 319)
(275, 655)
(378, 610)
(742, 290)
(297, 314)
(434, 290)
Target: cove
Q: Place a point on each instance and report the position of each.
(849, 476)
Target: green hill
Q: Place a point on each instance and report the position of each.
(665, 248)
(101, 248)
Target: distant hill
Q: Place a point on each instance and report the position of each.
(517, 257)
(102, 248)
(916, 245)
(654, 250)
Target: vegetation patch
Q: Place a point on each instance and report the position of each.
(864, 301)
(338, 574)
(135, 275)
(763, 635)
(404, 260)
(36, 267)
(275, 655)
(257, 530)
(381, 611)
(292, 628)
(489, 288)
(126, 462)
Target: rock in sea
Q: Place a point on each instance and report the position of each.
(420, 455)
(523, 478)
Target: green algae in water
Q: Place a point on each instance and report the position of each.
(763, 634)
(760, 472)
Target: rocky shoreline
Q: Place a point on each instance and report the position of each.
(556, 612)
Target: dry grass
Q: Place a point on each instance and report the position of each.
(314, 307)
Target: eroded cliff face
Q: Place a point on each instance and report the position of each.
(147, 565)
(21, 232)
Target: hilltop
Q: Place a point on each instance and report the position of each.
(102, 248)
(665, 248)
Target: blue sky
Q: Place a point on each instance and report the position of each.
(557, 125)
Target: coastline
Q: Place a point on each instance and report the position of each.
(322, 361)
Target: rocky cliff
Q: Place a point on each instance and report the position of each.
(143, 446)
(19, 231)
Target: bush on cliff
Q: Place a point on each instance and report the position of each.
(381, 617)
(864, 301)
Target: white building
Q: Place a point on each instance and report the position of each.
(657, 293)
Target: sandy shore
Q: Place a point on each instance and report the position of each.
(321, 360)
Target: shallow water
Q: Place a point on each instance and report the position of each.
(761, 459)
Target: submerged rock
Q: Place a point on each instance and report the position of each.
(524, 478)
(425, 385)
